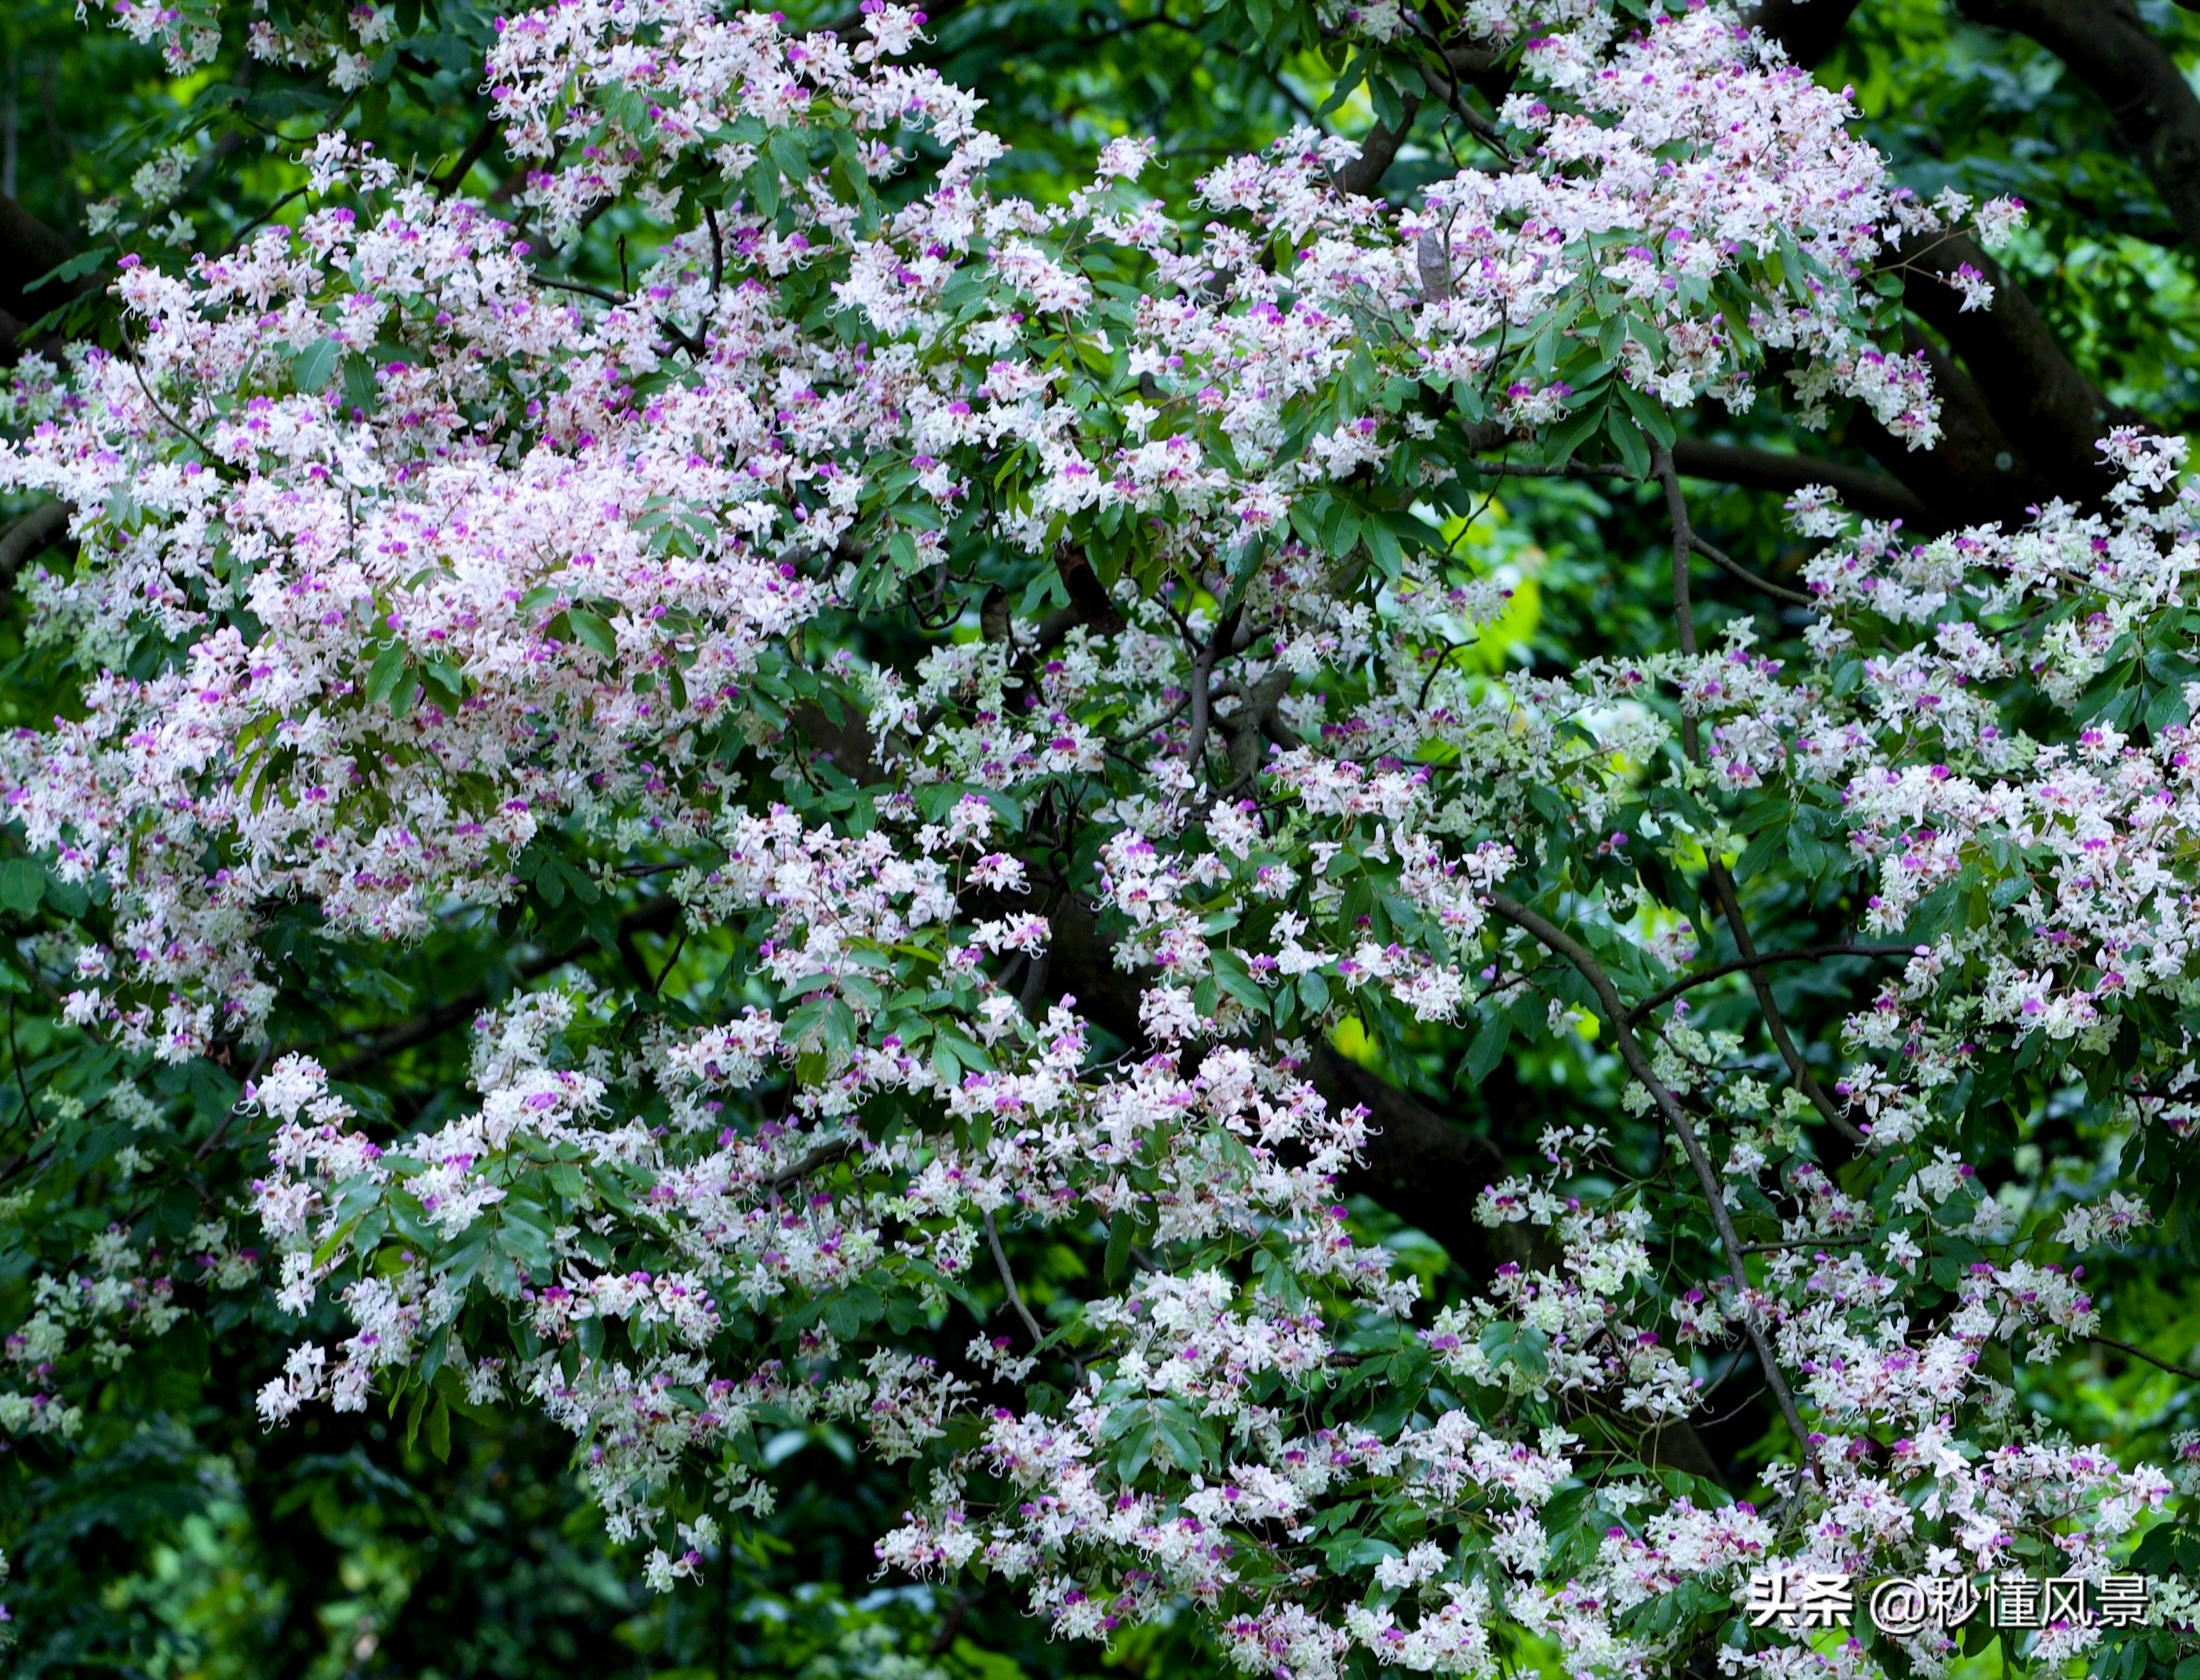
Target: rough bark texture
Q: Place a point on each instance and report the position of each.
(1871, 492)
(2112, 51)
(29, 251)
(2052, 414)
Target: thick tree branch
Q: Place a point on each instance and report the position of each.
(1808, 29)
(28, 537)
(2051, 413)
(1872, 493)
(1364, 174)
(1975, 474)
(29, 251)
(2110, 50)
(2021, 426)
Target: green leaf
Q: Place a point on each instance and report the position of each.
(387, 671)
(22, 885)
(316, 365)
(791, 154)
(1122, 1233)
(1179, 1432)
(1313, 991)
(1518, 1344)
(592, 630)
(1134, 1448)
(1488, 1048)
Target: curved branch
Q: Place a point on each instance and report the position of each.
(1556, 941)
(1378, 152)
(1665, 994)
(2051, 413)
(2110, 49)
(30, 536)
(1872, 493)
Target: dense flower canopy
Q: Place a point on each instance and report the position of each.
(1023, 635)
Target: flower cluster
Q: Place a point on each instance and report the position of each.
(423, 586)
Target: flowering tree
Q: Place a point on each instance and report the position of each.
(976, 706)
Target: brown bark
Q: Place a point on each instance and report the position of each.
(29, 251)
(1870, 492)
(30, 536)
(2109, 48)
(1364, 174)
(2020, 418)
(2049, 411)
(1975, 474)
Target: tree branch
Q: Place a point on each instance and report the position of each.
(1009, 1277)
(1872, 493)
(1741, 574)
(29, 536)
(29, 251)
(1364, 174)
(2174, 1370)
(655, 917)
(1809, 29)
(1556, 941)
(1665, 994)
(1975, 474)
(2051, 413)
(1722, 885)
(2110, 50)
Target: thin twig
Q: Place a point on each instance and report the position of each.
(580, 286)
(823, 1155)
(237, 239)
(655, 917)
(1665, 994)
(138, 372)
(1721, 883)
(1733, 568)
(664, 973)
(1008, 1277)
(1558, 942)
(1808, 1242)
(2174, 1370)
(16, 1059)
